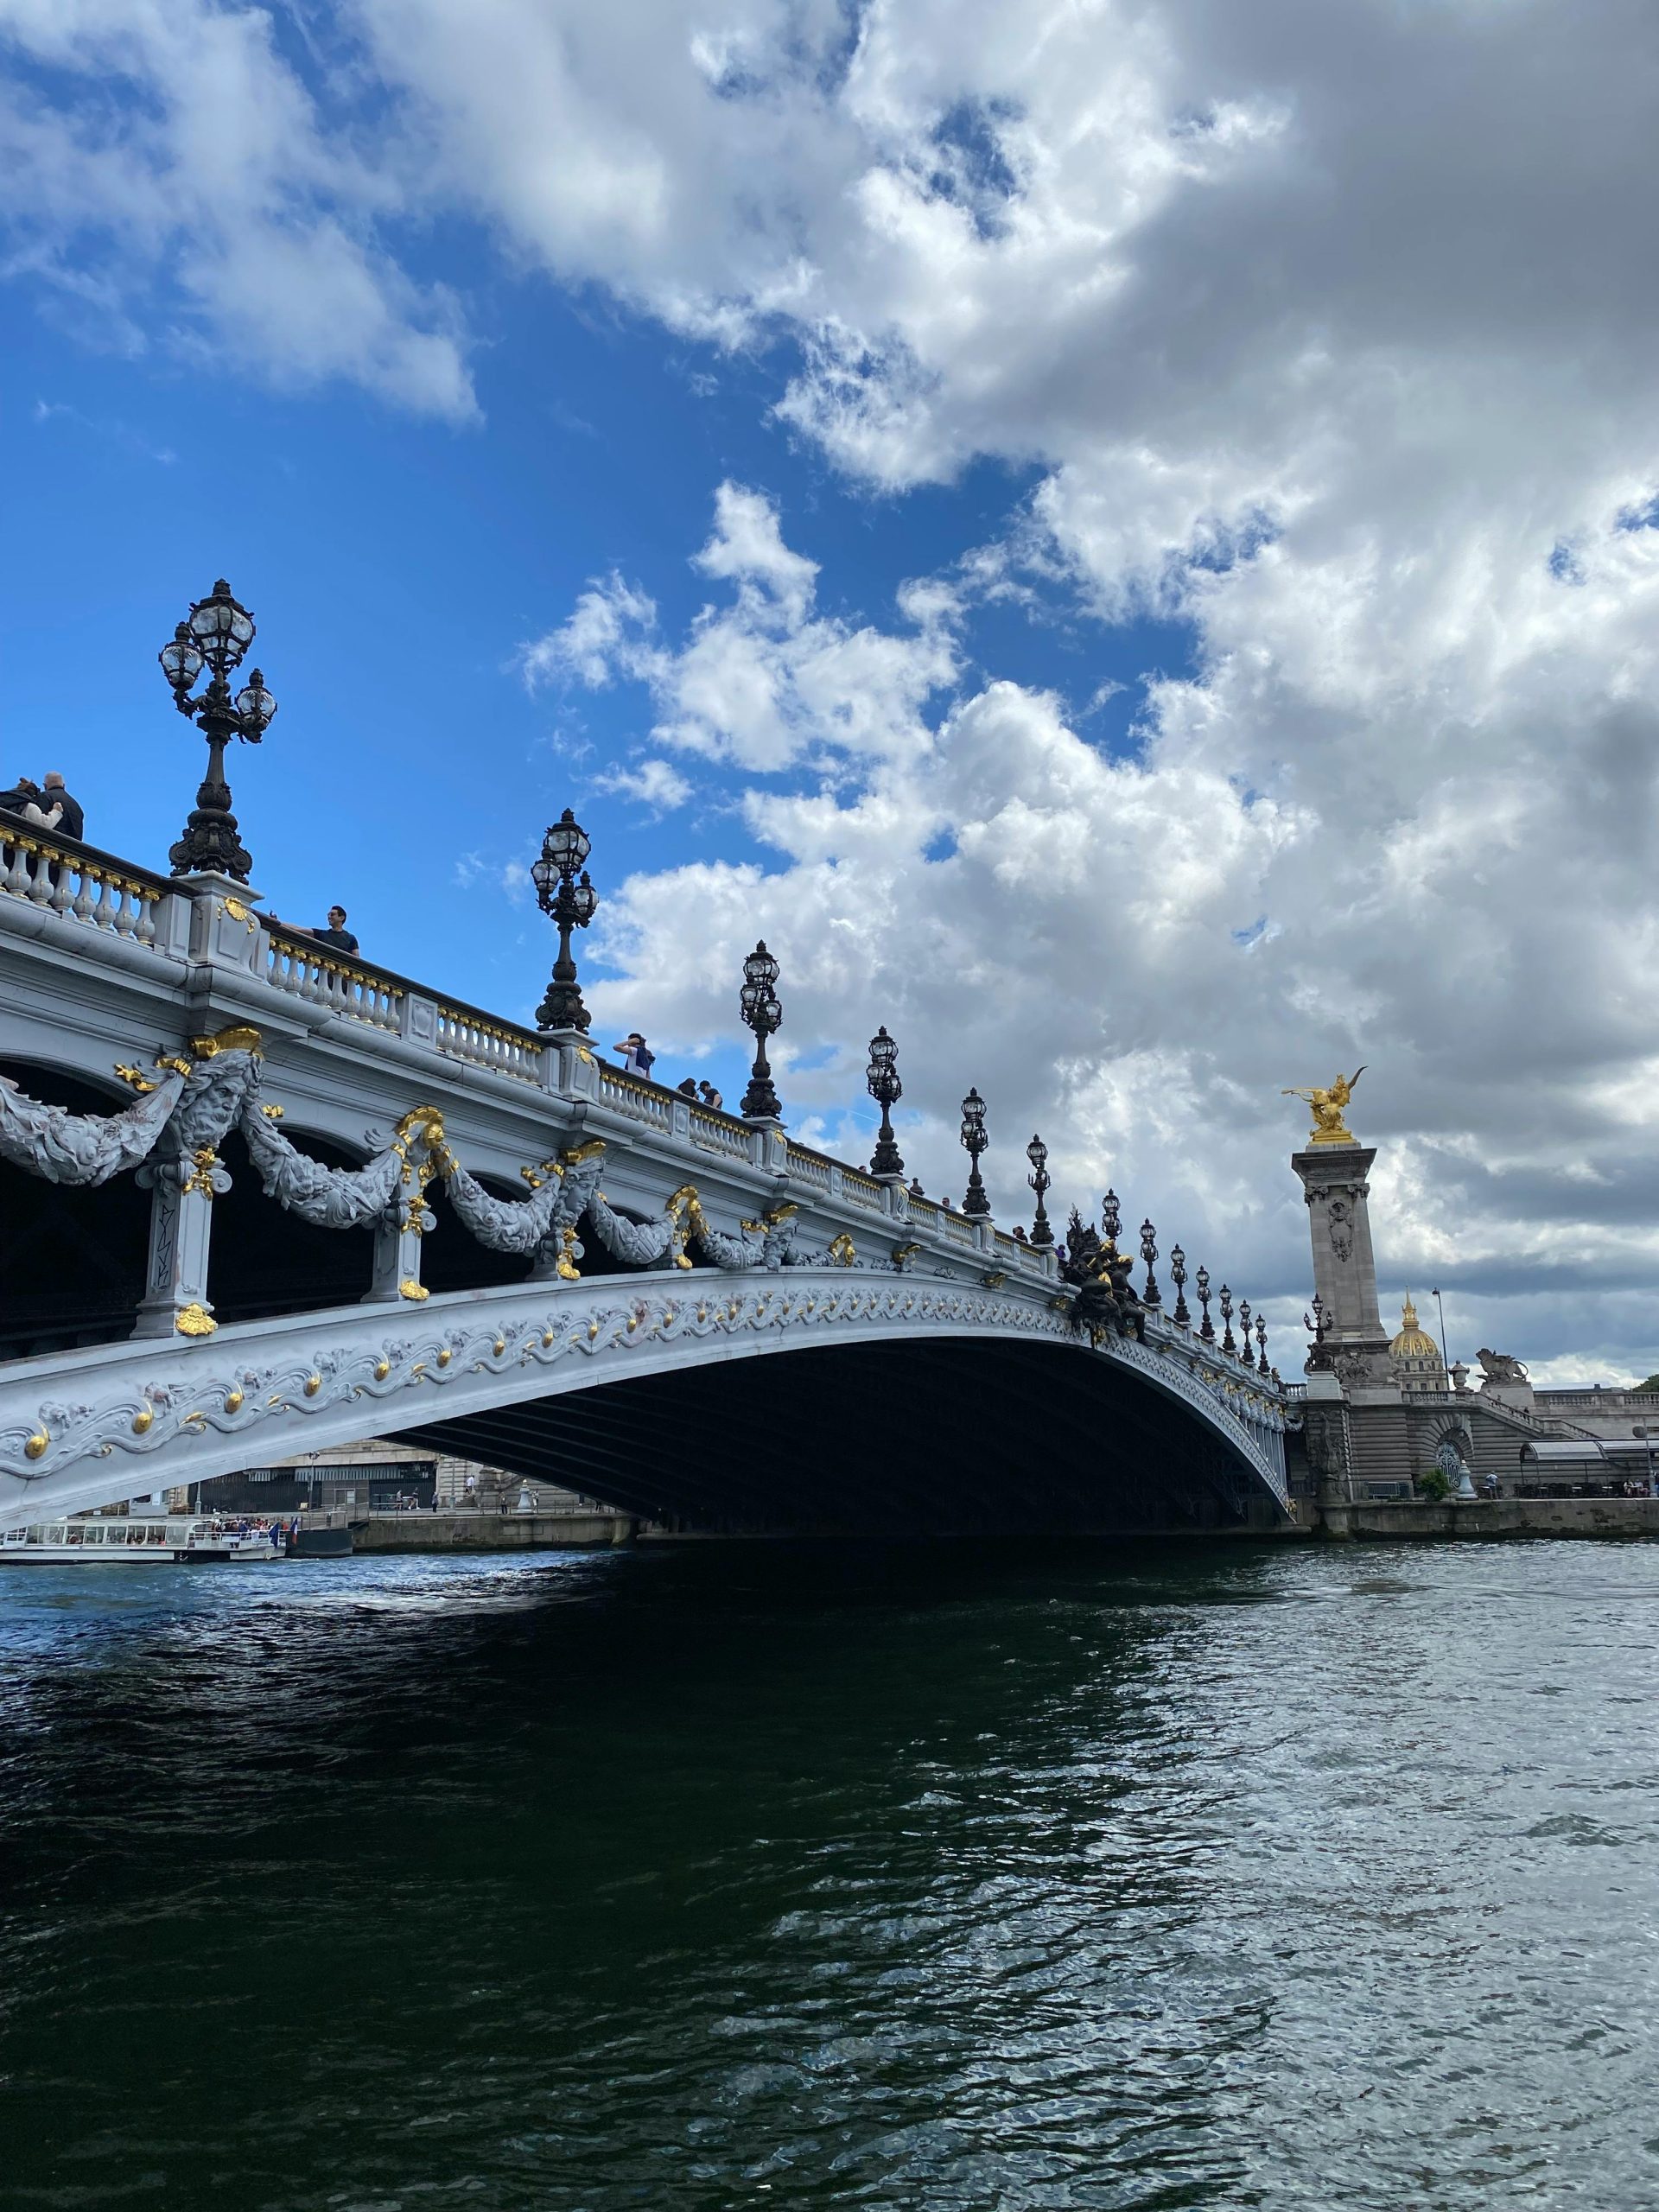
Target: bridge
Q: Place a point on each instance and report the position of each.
(258, 1198)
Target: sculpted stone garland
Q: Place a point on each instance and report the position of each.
(173, 1134)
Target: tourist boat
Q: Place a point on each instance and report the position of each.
(135, 1541)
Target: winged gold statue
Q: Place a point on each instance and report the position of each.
(1328, 1107)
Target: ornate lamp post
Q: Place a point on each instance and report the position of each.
(1245, 1329)
(763, 1012)
(1151, 1295)
(1178, 1276)
(218, 634)
(1261, 1343)
(568, 904)
(883, 1077)
(1037, 1153)
(1225, 1299)
(1207, 1328)
(1111, 1219)
(974, 1140)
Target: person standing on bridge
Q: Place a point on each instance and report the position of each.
(638, 1058)
(70, 817)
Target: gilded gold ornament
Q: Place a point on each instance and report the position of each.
(194, 1320)
(239, 1039)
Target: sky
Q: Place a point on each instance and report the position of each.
(1123, 539)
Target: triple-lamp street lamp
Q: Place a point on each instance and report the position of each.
(882, 1078)
(974, 1140)
(570, 902)
(217, 635)
(763, 1012)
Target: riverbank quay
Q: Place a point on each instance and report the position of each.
(1421, 1520)
(1418, 1521)
(464, 1530)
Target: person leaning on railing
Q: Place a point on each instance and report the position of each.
(337, 936)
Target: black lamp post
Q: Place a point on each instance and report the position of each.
(973, 1141)
(1207, 1327)
(1111, 1219)
(1037, 1153)
(883, 1077)
(570, 905)
(1151, 1295)
(1177, 1276)
(1245, 1329)
(1261, 1343)
(763, 1012)
(1224, 1300)
(219, 632)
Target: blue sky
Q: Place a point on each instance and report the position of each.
(1284, 696)
(396, 564)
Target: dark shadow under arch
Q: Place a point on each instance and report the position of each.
(72, 1261)
(966, 1437)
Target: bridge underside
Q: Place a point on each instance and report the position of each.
(973, 1437)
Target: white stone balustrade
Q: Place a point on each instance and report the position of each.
(79, 884)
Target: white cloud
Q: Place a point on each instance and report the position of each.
(763, 683)
(178, 177)
(656, 784)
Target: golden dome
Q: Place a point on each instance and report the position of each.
(1411, 1343)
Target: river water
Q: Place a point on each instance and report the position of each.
(717, 1875)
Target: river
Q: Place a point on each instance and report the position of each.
(734, 1875)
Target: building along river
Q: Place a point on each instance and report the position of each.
(733, 1875)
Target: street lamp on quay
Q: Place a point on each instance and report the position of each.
(882, 1078)
(217, 635)
(1037, 1153)
(570, 904)
(973, 1141)
(763, 1012)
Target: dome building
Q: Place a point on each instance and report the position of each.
(1414, 1356)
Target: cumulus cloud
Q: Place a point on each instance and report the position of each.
(762, 682)
(656, 784)
(167, 171)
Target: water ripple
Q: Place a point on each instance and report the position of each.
(714, 1877)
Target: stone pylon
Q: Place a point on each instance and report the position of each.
(1356, 1344)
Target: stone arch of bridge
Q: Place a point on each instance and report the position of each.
(967, 1435)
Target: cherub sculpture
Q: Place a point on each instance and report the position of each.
(1328, 1107)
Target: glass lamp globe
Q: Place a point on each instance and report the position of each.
(181, 662)
(256, 706)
